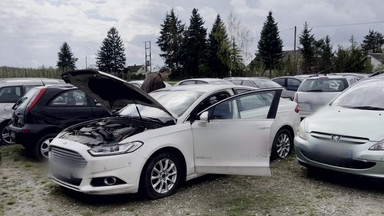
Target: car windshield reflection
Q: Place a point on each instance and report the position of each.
(177, 102)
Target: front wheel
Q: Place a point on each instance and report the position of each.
(162, 176)
(282, 144)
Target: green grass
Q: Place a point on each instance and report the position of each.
(1, 209)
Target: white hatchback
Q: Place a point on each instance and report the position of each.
(176, 134)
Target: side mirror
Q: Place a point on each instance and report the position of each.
(204, 116)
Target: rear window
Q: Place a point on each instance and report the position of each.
(323, 85)
(23, 101)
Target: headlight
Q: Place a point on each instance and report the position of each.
(378, 146)
(302, 130)
(121, 148)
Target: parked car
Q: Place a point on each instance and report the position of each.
(346, 135)
(11, 89)
(138, 83)
(290, 84)
(215, 81)
(45, 111)
(174, 134)
(258, 82)
(315, 92)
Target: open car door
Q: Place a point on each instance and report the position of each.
(233, 136)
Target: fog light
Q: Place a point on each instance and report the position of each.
(110, 181)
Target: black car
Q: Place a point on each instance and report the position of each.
(290, 83)
(45, 111)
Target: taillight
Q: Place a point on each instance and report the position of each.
(38, 96)
(296, 99)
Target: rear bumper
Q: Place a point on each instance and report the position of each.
(25, 136)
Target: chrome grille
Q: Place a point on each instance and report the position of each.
(67, 157)
(342, 138)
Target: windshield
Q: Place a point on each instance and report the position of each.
(363, 95)
(323, 85)
(176, 102)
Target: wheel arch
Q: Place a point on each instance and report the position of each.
(171, 150)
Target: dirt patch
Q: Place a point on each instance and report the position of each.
(291, 190)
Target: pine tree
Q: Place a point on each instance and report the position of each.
(307, 41)
(171, 35)
(193, 47)
(111, 57)
(352, 59)
(324, 55)
(218, 50)
(270, 46)
(66, 60)
(373, 42)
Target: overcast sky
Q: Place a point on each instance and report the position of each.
(32, 31)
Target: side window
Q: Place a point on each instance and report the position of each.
(10, 94)
(75, 98)
(200, 82)
(255, 105)
(223, 111)
(293, 84)
(281, 81)
(210, 100)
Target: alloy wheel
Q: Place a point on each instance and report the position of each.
(44, 148)
(163, 175)
(283, 145)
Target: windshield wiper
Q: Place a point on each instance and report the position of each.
(367, 107)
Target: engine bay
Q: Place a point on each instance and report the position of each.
(108, 131)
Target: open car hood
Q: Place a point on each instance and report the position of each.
(112, 92)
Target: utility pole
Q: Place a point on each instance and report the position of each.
(294, 51)
(148, 62)
(86, 66)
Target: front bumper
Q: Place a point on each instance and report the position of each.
(125, 167)
(361, 162)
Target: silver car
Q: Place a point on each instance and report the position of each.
(11, 89)
(315, 92)
(346, 135)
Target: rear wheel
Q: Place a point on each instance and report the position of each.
(282, 144)
(162, 176)
(41, 148)
(5, 135)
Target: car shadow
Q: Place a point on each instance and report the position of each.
(100, 200)
(363, 183)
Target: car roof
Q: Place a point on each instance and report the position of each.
(28, 80)
(202, 87)
(246, 78)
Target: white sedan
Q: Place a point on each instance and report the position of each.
(176, 134)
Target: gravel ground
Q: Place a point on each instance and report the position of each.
(291, 190)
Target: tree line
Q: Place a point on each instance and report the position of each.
(190, 51)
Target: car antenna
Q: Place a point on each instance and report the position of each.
(138, 111)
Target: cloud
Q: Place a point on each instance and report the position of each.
(33, 30)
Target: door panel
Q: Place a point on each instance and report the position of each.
(233, 140)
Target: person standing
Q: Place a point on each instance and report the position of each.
(156, 80)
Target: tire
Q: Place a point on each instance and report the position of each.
(41, 147)
(161, 176)
(4, 131)
(282, 144)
